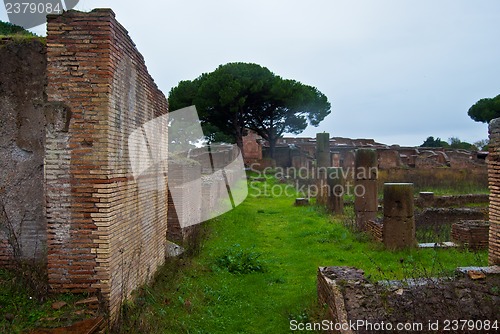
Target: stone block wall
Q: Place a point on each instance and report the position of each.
(106, 224)
(331, 283)
(494, 185)
(22, 139)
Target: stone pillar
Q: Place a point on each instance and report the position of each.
(366, 199)
(322, 163)
(494, 185)
(399, 220)
(336, 186)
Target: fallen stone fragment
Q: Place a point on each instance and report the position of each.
(475, 274)
(58, 305)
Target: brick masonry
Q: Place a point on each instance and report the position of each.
(106, 228)
(471, 233)
(376, 230)
(494, 185)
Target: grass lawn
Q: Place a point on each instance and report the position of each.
(257, 266)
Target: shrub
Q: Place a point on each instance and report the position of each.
(240, 261)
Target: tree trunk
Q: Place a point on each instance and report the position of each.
(239, 134)
(239, 143)
(272, 147)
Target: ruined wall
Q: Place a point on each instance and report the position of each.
(282, 156)
(189, 207)
(22, 137)
(428, 200)
(376, 230)
(388, 158)
(471, 233)
(252, 147)
(106, 225)
(437, 177)
(494, 184)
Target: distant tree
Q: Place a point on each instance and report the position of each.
(485, 110)
(458, 144)
(431, 142)
(482, 144)
(237, 96)
(9, 29)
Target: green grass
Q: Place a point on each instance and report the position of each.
(284, 245)
(21, 309)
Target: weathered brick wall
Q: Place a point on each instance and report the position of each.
(388, 158)
(494, 185)
(376, 230)
(471, 233)
(106, 228)
(252, 147)
(22, 137)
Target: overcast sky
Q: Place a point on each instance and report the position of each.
(396, 71)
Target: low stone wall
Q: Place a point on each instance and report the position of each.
(436, 177)
(473, 234)
(437, 222)
(440, 216)
(427, 200)
(356, 305)
(330, 293)
(434, 224)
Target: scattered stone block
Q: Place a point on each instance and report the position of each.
(173, 250)
(302, 202)
(58, 305)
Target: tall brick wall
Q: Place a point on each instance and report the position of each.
(494, 185)
(106, 226)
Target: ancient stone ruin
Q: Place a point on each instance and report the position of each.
(69, 195)
(322, 163)
(494, 183)
(399, 221)
(366, 197)
(336, 188)
(472, 234)
(350, 298)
